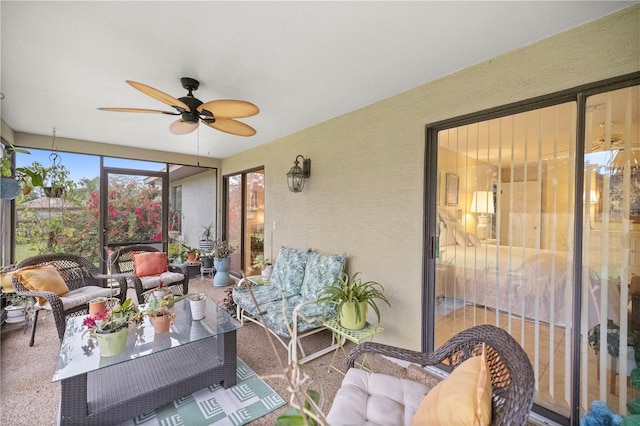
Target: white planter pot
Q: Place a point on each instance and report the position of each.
(197, 308)
(266, 272)
(15, 314)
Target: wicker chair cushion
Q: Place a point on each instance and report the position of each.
(375, 399)
(167, 278)
(463, 398)
(82, 296)
(149, 263)
(42, 278)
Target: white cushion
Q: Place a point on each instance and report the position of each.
(154, 281)
(375, 399)
(83, 295)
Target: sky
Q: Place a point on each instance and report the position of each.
(83, 166)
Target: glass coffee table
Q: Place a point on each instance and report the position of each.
(153, 370)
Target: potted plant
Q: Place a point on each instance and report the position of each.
(206, 256)
(97, 305)
(613, 341)
(264, 264)
(162, 290)
(174, 226)
(22, 179)
(207, 237)
(351, 298)
(221, 261)
(192, 252)
(110, 327)
(197, 303)
(159, 311)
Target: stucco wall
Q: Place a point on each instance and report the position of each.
(365, 193)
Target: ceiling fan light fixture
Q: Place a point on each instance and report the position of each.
(219, 115)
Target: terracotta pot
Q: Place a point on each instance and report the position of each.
(95, 307)
(191, 257)
(161, 324)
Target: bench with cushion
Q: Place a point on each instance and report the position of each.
(288, 302)
(148, 267)
(480, 355)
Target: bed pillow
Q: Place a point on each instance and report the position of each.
(473, 239)
(42, 278)
(463, 398)
(147, 264)
(460, 237)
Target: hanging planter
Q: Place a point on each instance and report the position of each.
(9, 188)
(53, 191)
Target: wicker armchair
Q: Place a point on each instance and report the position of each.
(121, 262)
(509, 366)
(83, 280)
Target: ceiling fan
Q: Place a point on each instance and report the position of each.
(219, 114)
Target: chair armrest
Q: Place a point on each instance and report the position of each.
(182, 269)
(390, 351)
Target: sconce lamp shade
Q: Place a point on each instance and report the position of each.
(297, 175)
(482, 202)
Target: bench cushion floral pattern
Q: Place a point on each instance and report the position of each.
(288, 271)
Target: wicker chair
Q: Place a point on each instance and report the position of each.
(122, 263)
(81, 277)
(509, 366)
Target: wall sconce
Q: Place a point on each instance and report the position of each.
(297, 175)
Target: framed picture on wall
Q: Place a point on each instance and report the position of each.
(452, 188)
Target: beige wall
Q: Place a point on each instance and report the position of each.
(365, 193)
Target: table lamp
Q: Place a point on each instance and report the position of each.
(482, 203)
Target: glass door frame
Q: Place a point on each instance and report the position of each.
(225, 207)
(578, 95)
(104, 184)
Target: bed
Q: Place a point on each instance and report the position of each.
(524, 282)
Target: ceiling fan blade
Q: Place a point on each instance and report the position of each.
(153, 111)
(181, 127)
(230, 108)
(233, 127)
(161, 96)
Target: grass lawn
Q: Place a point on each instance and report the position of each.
(22, 252)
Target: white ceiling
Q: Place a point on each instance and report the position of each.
(301, 62)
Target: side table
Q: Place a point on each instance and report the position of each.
(356, 336)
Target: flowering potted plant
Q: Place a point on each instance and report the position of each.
(110, 327)
(159, 311)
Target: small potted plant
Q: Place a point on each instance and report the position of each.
(162, 289)
(264, 264)
(110, 327)
(197, 303)
(192, 252)
(222, 262)
(159, 311)
(97, 305)
(351, 298)
(207, 237)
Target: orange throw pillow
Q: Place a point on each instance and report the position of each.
(149, 263)
(42, 278)
(463, 398)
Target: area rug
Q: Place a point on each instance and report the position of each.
(249, 399)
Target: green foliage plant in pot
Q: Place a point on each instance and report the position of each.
(207, 237)
(21, 180)
(222, 262)
(264, 264)
(110, 327)
(351, 298)
(159, 310)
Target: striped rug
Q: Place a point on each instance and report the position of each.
(248, 400)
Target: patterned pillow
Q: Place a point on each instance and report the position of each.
(288, 271)
(322, 270)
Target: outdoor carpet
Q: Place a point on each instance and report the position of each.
(248, 400)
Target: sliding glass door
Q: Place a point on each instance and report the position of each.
(244, 218)
(512, 210)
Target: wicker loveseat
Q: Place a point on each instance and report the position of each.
(366, 398)
(298, 277)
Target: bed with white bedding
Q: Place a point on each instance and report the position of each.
(524, 282)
